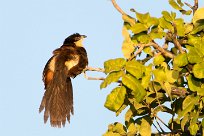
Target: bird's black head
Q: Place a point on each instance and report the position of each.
(74, 38)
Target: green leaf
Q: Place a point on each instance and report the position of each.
(128, 45)
(152, 21)
(180, 3)
(165, 24)
(186, 12)
(142, 38)
(167, 88)
(128, 115)
(160, 75)
(202, 123)
(158, 59)
(143, 18)
(180, 60)
(146, 80)
(148, 50)
(198, 70)
(135, 68)
(138, 27)
(136, 87)
(189, 100)
(127, 48)
(184, 121)
(193, 55)
(173, 15)
(110, 133)
(172, 75)
(115, 99)
(198, 28)
(145, 128)
(198, 16)
(194, 84)
(193, 129)
(188, 28)
(175, 5)
(167, 16)
(114, 65)
(180, 26)
(112, 77)
(157, 35)
(188, 104)
(132, 129)
(119, 128)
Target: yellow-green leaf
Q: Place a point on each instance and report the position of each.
(128, 45)
(158, 59)
(119, 128)
(167, 16)
(198, 16)
(194, 84)
(193, 55)
(180, 60)
(138, 27)
(198, 70)
(135, 68)
(175, 5)
(115, 99)
(136, 87)
(114, 65)
(143, 18)
(112, 77)
(145, 128)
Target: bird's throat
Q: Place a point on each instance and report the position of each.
(79, 43)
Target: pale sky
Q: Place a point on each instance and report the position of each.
(29, 31)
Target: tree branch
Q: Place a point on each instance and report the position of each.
(195, 7)
(93, 78)
(175, 41)
(94, 69)
(162, 122)
(163, 51)
(117, 7)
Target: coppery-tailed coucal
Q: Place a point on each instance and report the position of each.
(67, 61)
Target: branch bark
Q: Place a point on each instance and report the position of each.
(117, 7)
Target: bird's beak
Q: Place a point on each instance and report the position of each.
(84, 36)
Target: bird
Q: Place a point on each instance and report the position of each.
(67, 62)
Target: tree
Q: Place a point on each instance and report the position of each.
(157, 78)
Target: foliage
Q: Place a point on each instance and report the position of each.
(150, 76)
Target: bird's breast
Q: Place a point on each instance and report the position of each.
(73, 62)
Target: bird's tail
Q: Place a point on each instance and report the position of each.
(58, 99)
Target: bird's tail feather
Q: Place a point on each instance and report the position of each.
(58, 99)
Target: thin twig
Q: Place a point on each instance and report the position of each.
(117, 7)
(93, 78)
(162, 122)
(160, 126)
(195, 7)
(138, 51)
(189, 5)
(156, 128)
